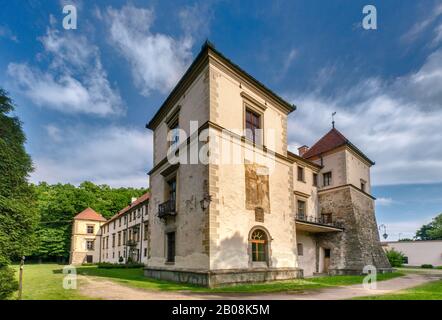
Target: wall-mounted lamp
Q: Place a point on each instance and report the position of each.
(205, 203)
(384, 228)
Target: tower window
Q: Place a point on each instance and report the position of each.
(327, 179)
(301, 174)
(253, 124)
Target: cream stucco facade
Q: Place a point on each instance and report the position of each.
(247, 188)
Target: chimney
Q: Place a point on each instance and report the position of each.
(133, 200)
(302, 150)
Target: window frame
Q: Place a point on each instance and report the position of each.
(300, 248)
(302, 171)
(259, 113)
(90, 226)
(330, 179)
(170, 249)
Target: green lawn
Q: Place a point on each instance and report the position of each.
(429, 291)
(45, 282)
(135, 278)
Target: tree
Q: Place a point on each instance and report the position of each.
(18, 218)
(431, 231)
(395, 258)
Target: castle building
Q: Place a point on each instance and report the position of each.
(250, 210)
(121, 239)
(229, 203)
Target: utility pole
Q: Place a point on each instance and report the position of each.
(20, 277)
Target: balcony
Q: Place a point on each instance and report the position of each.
(317, 224)
(167, 208)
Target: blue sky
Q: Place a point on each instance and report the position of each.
(85, 95)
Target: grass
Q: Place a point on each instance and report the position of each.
(135, 278)
(45, 282)
(428, 291)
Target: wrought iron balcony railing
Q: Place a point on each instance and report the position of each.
(167, 208)
(325, 220)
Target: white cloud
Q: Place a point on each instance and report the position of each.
(5, 32)
(113, 155)
(396, 124)
(422, 25)
(54, 133)
(384, 201)
(157, 60)
(75, 81)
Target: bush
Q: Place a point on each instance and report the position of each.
(396, 258)
(108, 265)
(427, 266)
(8, 284)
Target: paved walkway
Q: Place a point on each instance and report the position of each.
(104, 289)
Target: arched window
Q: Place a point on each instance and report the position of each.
(258, 240)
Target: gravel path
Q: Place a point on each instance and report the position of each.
(104, 289)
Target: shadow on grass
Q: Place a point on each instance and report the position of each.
(133, 277)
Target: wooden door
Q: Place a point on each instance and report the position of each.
(326, 260)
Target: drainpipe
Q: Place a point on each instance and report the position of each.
(141, 236)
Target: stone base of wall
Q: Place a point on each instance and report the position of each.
(357, 272)
(215, 278)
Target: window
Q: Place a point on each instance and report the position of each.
(113, 240)
(119, 238)
(301, 209)
(114, 224)
(113, 255)
(363, 184)
(90, 229)
(145, 252)
(405, 260)
(146, 210)
(300, 249)
(327, 179)
(301, 174)
(130, 217)
(90, 245)
(125, 219)
(259, 246)
(170, 247)
(172, 189)
(119, 222)
(174, 135)
(138, 213)
(124, 237)
(253, 126)
(315, 180)
(326, 218)
(146, 229)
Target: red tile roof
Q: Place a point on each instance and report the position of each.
(89, 214)
(139, 200)
(330, 141)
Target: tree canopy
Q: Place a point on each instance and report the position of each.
(431, 231)
(18, 217)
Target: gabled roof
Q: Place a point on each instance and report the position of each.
(139, 200)
(330, 141)
(202, 59)
(89, 214)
